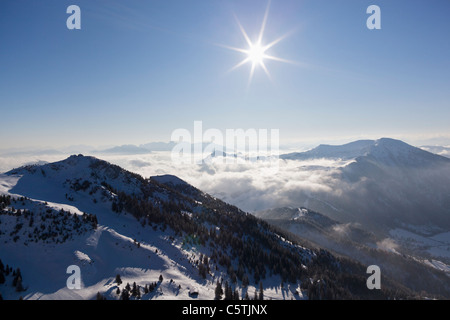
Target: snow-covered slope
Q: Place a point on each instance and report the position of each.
(160, 235)
(119, 244)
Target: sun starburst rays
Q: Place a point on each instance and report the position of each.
(256, 53)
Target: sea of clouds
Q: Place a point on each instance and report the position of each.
(250, 185)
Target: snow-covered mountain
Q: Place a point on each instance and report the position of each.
(385, 151)
(352, 240)
(163, 238)
(386, 183)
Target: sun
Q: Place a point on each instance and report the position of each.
(256, 52)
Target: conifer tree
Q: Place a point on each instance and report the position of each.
(125, 295)
(228, 292)
(245, 281)
(134, 290)
(219, 291)
(100, 296)
(261, 291)
(19, 286)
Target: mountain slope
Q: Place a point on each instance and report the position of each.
(160, 233)
(347, 151)
(353, 241)
(387, 184)
(442, 151)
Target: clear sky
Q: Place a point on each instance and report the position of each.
(137, 70)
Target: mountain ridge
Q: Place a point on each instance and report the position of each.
(380, 149)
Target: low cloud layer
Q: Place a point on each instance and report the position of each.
(344, 192)
(252, 186)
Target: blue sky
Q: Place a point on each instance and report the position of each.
(137, 70)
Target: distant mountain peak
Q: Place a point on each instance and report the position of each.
(383, 150)
(396, 152)
(393, 144)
